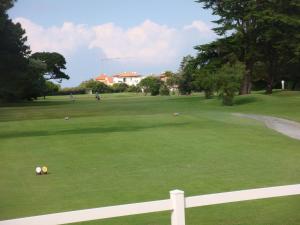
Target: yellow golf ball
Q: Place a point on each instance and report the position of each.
(44, 169)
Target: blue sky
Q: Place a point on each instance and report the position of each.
(146, 36)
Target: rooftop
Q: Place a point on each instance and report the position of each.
(127, 74)
(101, 77)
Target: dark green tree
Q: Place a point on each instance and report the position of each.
(229, 79)
(120, 87)
(278, 24)
(22, 75)
(205, 80)
(95, 86)
(51, 88)
(55, 64)
(150, 85)
(164, 90)
(186, 72)
(13, 57)
(236, 17)
(264, 32)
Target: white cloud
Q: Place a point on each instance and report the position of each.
(148, 43)
(200, 26)
(65, 39)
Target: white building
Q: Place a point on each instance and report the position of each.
(129, 78)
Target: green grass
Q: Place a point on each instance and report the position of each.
(130, 148)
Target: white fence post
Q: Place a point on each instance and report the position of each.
(178, 214)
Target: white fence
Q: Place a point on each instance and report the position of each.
(176, 204)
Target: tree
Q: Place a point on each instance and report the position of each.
(51, 88)
(134, 88)
(206, 81)
(13, 53)
(95, 86)
(120, 87)
(237, 17)
(164, 90)
(151, 85)
(55, 63)
(172, 80)
(264, 32)
(33, 85)
(279, 41)
(22, 75)
(186, 71)
(229, 78)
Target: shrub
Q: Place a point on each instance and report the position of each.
(229, 80)
(119, 87)
(206, 81)
(164, 90)
(133, 88)
(96, 86)
(151, 84)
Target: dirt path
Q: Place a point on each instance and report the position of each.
(286, 127)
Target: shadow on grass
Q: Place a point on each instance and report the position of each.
(186, 98)
(36, 103)
(84, 131)
(245, 100)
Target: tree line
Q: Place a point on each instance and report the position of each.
(24, 75)
(152, 85)
(258, 46)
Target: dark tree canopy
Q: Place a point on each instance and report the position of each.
(55, 63)
(257, 33)
(23, 76)
(13, 53)
(187, 69)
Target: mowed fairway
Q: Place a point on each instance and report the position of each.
(130, 148)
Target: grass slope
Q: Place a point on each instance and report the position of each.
(129, 148)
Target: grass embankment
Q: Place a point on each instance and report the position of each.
(129, 148)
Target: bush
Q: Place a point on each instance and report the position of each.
(150, 84)
(164, 90)
(51, 88)
(96, 86)
(133, 88)
(229, 79)
(72, 90)
(206, 81)
(119, 87)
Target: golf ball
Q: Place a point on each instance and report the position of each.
(38, 170)
(44, 169)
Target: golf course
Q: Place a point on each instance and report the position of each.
(129, 148)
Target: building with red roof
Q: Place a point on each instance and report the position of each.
(129, 78)
(105, 79)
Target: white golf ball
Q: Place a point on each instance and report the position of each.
(38, 170)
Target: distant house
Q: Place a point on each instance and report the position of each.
(163, 77)
(129, 78)
(105, 79)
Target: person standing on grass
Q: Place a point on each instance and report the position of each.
(72, 97)
(97, 96)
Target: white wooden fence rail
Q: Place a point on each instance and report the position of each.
(177, 204)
